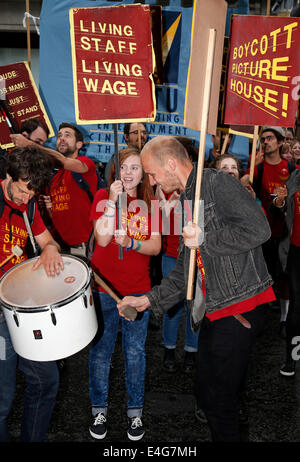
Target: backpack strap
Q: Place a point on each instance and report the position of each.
(83, 184)
(258, 180)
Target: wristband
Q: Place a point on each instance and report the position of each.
(110, 204)
(131, 244)
(107, 215)
(138, 246)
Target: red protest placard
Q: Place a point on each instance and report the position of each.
(112, 64)
(19, 99)
(264, 63)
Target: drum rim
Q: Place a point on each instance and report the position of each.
(41, 308)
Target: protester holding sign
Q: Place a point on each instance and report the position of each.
(129, 275)
(232, 280)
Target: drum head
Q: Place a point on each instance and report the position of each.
(24, 288)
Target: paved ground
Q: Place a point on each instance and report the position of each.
(274, 408)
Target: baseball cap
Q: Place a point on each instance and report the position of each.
(279, 130)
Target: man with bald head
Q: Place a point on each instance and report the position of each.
(232, 280)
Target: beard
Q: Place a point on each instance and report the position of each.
(66, 151)
(9, 192)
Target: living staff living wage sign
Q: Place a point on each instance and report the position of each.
(263, 71)
(113, 62)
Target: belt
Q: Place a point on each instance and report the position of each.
(242, 320)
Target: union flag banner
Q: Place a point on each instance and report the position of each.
(113, 63)
(263, 71)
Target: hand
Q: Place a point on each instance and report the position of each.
(116, 188)
(20, 141)
(259, 157)
(51, 259)
(122, 238)
(281, 193)
(251, 190)
(190, 234)
(139, 303)
(45, 201)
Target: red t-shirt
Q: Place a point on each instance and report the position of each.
(129, 275)
(170, 239)
(236, 308)
(173, 213)
(71, 204)
(273, 176)
(295, 236)
(19, 232)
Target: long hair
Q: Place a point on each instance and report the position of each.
(144, 189)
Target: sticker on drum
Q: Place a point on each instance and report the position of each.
(69, 279)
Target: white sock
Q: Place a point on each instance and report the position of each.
(284, 308)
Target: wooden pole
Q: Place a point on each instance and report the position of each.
(201, 157)
(253, 154)
(268, 10)
(117, 177)
(139, 136)
(225, 144)
(28, 34)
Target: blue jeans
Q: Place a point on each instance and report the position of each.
(134, 335)
(42, 380)
(171, 319)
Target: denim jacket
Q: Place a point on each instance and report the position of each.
(235, 227)
(293, 185)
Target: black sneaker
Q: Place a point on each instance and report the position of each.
(199, 414)
(136, 429)
(189, 361)
(169, 360)
(98, 428)
(288, 369)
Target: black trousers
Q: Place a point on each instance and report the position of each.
(224, 349)
(293, 316)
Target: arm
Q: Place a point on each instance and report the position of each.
(150, 246)
(104, 226)
(68, 163)
(50, 256)
(160, 299)
(240, 224)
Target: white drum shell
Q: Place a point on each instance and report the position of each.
(54, 332)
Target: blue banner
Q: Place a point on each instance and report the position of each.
(56, 76)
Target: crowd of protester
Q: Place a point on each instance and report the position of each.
(153, 254)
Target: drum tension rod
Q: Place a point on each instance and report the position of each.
(53, 317)
(16, 319)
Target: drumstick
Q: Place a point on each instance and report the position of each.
(16, 252)
(128, 311)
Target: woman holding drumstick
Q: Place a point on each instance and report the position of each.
(129, 275)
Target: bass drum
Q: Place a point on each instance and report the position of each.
(49, 318)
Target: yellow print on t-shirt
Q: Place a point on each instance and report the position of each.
(60, 198)
(18, 238)
(136, 225)
(297, 204)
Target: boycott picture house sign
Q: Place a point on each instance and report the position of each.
(113, 62)
(263, 71)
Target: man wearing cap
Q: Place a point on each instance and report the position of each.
(271, 173)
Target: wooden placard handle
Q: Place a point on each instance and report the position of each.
(201, 157)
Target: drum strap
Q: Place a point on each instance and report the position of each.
(31, 210)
